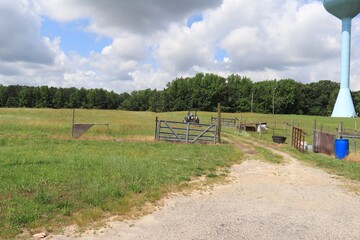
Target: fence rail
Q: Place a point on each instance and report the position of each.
(184, 132)
(225, 122)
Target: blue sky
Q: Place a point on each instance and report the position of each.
(74, 36)
(193, 19)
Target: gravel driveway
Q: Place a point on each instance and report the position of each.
(262, 201)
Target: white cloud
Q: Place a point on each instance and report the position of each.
(113, 17)
(128, 47)
(20, 39)
(184, 48)
(152, 44)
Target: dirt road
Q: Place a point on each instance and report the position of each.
(262, 201)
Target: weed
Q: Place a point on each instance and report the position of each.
(212, 175)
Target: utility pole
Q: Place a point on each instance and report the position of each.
(219, 123)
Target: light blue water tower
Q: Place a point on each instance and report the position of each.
(346, 10)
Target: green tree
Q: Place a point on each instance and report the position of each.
(57, 100)
(25, 97)
(263, 96)
(100, 99)
(42, 100)
(321, 97)
(123, 98)
(12, 102)
(179, 94)
(112, 100)
(12, 93)
(238, 93)
(286, 96)
(3, 95)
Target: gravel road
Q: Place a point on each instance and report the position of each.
(262, 201)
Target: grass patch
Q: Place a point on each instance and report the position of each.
(51, 182)
(268, 155)
(250, 148)
(353, 157)
(348, 169)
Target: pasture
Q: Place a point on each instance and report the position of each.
(50, 180)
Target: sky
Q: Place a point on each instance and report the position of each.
(123, 45)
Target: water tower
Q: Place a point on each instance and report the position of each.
(346, 10)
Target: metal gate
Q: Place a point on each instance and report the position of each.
(298, 139)
(184, 132)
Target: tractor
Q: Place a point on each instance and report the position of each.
(191, 118)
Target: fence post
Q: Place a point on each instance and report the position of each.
(303, 141)
(215, 132)
(259, 130)
(340, 129)
(219, 123)
(187, 132)
(73, 122)
(156, 127)
(240, 123)
(354, 128)
(274, 129)
(292, 132)
(314, 137)
(355, 139)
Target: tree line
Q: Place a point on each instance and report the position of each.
(201, 92)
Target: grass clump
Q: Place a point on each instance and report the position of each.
(45, 182)
(268, 155)
(251, 148)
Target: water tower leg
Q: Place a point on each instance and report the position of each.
(344, 106)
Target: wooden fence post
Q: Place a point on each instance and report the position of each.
(240, 123)
(156, 127)
(259, 130)
(187, 132)
(355, 138)
(292, 131)
(340, 129)
(219, 123)
(314, 136)
(73, 122)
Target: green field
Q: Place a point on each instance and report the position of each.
(281, 125)
(140, 125)
(50, 180)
